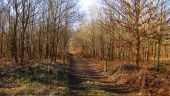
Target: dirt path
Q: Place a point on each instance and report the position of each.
(85, 77)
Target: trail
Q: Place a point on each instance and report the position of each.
(84, 76)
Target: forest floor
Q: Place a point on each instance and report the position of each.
(83, 77)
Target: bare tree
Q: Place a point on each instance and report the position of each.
(133, 17)
(158, 25)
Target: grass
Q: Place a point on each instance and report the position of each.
(96, 92)
(33, 80)
(25, 75)
(94, 88)
(40, 74)
(63, 91)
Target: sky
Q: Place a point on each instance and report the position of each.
(86, 4)
(88, 7)
(85, 8)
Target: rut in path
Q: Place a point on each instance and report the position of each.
(80, 71)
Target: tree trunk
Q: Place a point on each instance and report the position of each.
(158, 55)
(112, 53)
(155, 52)
(22, 47)
(138, 52)
(14, 43)
(148, 52)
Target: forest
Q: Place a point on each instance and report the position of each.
(52, 47)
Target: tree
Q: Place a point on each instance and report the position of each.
(132, 15)
(159, 25)
(14, 40)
